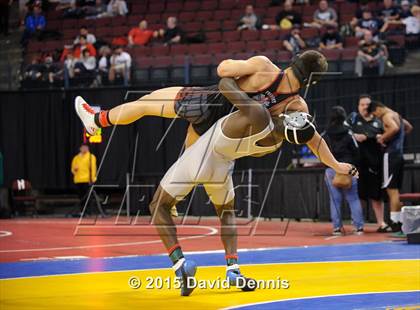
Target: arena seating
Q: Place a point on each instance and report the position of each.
(217, 20)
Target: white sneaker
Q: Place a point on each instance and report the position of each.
(86, 114)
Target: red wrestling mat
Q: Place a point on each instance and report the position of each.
(31, 239)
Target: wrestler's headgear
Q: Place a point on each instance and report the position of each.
(298, 127)
(308, 67)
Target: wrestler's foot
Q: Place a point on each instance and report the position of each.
(185, 269)
(237, 279)
(86, 114)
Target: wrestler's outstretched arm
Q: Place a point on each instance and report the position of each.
(320, 148)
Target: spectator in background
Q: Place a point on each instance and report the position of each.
(34, 25)
(286, 18)
(343, 146)
(371, 54)
(90, 38)
(120, 65)
(4, 16)
(52, 70)
(140, 35)
(392, 139)
(83, 45)
(389, 11)
(83, 168)
(33, 73)
(324, 15)
(366, 127)
(249, 20)
(405, 9)
(363, 6)
(293, 42)
(172, 34)
(104, 65)
(117, 7)
(368, 23)
(411, 22)
(96, 11)
(331, 39)
(70, 64)
(85, 67)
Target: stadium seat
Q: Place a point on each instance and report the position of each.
(213, 36)
(178, 49)
(203, 16)
(156, 7)
(250, 35)
(192, 27)
(346, 18)
(185, 17)
(309, 10)
(119, 21)
(103, 22)
(236, 47)
(255, 46)
(284, 57)
(211, 25)
(274, 45)
(159, 73)
(333, 56)
(178, 70)
(308, 33)
(138, 8)
(192, 6)
(221, 15)
(351, 42)
(348, 56)
(270, 34)
(208, 5)
(200, 67)
(216, 48)
(142, 70)
(230, 36)
(70, 23)
(197, 49)
(160, 50)
(229, 25)
(236, 14)
(262, 3)
(347, 8)
(227, 4)
(174, 7)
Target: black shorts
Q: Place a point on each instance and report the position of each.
(202, 106)
(393, 170)
(370, 183)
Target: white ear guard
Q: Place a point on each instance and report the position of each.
(298, 127)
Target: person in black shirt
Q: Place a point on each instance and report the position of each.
(389, 11)
(173, 33)
(293, 42)
(405, 9)
(288, 17)
(371, 54)
(331, 39)
(344, 147)
(366, 127)
(368, 23)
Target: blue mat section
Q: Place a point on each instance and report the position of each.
(359, 301)
(348, 252)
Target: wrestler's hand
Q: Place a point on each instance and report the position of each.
(347, 169)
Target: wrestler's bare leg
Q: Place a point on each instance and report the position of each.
(158, 103)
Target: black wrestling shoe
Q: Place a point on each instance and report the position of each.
(396, 227)
(384, 229)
